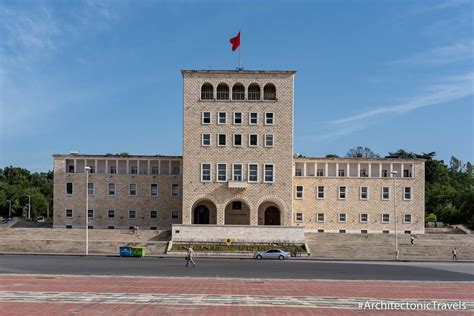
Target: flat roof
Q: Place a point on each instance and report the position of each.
(184, 71)
(114, 156)
(349, 159)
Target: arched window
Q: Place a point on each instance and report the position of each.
(222, 91)
(254, 92)
(207, 92)
(269, 92)
(238, 92)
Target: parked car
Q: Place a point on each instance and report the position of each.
(272, 254)
(40, 219)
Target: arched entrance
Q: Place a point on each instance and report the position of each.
(237, 213)
(201, 215)
(204, 212)
(272, 216)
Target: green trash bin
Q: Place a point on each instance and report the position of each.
(138, 252)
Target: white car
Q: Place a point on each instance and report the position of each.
(272, 254)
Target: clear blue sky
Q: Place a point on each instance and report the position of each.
(104, 76)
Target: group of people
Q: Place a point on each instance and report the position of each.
(454, 252)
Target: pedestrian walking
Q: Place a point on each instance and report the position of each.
(412, 240)
(455, 254)
(190, 257)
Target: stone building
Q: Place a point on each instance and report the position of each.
(238, 169)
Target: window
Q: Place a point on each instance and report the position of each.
(385, 231)
(206, 139)
(111, 189)
(320, 217)
(407, 232)
(154, 189)
(90, 213)
(299, 217)
(253, 140)
(320, 173)
(364, 218)
(268, 140)
(268, 118)
(269, 92)
(133, 170)
(342, 231)
(320, 194)
(342, 218)
(254, 92)
(110, 227)
(155, 170)
(406, 173)
(71, 169)
(298, 172)
(320, 230)
(407, 193)
(341, 173)
(237, 118)
(222, 118)
(342, 193)
(206, 118)
(385, 193)
(299, 191)
(69, 226)
(221, 172)
(363, 231)
(132, 214)
(236, 205)
(363, 173)
(238, 92)
(364, 193)
(205, 172)
(221, 139)
(69, 188)
(237, 172)
(207, 92)
(407, 218)
(90, 188)
(385, 218)
(253, 118)
(174, 215)
(111, 213)
(68, 213)
(153, 214)
(132, 189)
(175, 190)
(113, 169)
(237, 139)
(269, 173)
(222, 91)
(153, 228)
(253, 173)
(384, 173)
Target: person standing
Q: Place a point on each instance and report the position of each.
(412, 240)
(190, 257)
(455, 254)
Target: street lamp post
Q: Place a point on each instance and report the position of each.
(29, 207)
(87, 169)
(9, 208)
(394, 173)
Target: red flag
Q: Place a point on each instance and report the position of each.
(235, 41)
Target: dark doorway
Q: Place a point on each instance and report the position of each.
(201, 215)
(272, 216)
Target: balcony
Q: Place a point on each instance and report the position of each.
(236, 185)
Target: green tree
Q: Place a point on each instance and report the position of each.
(361, 152)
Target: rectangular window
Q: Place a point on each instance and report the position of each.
(253, 173)
(269, 173)
(407, 218)
(113, 169)
(385, 173)
(320, 173)
(320, 217)
(363, 173)
(342, 218)
(320, 230)
(154, 189)
(237, 172)
(320, 192)
(268, 140)
(253, 118)
(237, 118)
(90, 213)
(342, 193)
(385, 231)
(174, 215)
(406, 173)
(155, 170)
(253, 140)
(342, 231)
(132, 214)
(385, 193)
(237, 139)
(222, 118)
(268, 118)
(206, 139)
(206, 117)
(111, 189)
(299, 191)
(298, 172)
(90, 188)
(205, 172)
(153, 214)
(364, 193)
(175, 190)
(363, 231)
(221, 172)
(341, 173)
(132, 189)
(133, 170)
(364, 218)
(299, 217)
(385, 218)
(69, 188)
(407, 193)
(221, 139)
(111, 213)
(68, 213)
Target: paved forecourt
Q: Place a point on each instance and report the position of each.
(85, 295)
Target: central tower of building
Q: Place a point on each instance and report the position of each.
(237, 147)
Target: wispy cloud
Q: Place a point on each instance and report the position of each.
(442, 5)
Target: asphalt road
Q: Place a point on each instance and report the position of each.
(235, 268)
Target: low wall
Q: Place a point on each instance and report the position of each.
(237, 233)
